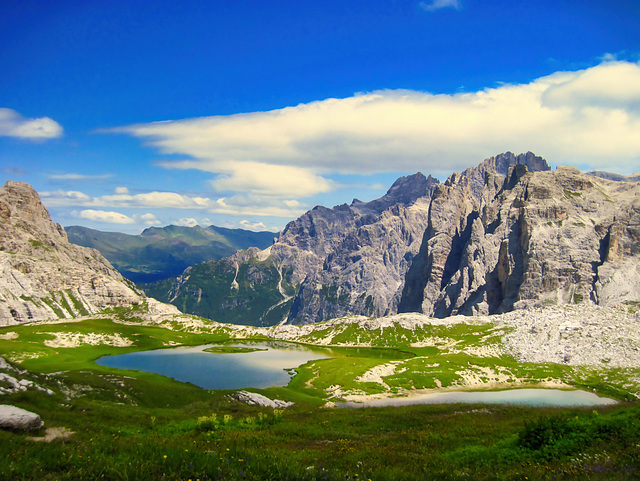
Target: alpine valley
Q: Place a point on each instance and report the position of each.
(508, 275)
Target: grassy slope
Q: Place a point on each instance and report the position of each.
(125, 423)
(210, 292)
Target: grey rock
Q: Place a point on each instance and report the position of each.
(500, 165)
(542, 238)
(256, 399)
(42, 275)
(15, 418)
(616, 177)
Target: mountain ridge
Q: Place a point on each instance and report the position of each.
(161, 252)
(354, 259)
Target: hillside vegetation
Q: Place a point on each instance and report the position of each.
(130, 424)
(162, 252)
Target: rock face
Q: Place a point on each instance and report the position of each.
(42, 276)
(500, 165)
(533, 239)
(504, 235)
(359, 255)
(327, 263)
(15, 418)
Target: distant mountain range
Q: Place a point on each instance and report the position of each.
(506, 234)
(160, 253)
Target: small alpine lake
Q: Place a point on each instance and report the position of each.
(264, 364)
(222, 366)
(536, 397)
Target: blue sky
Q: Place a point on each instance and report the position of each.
(128, 114)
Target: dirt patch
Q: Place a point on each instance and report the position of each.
(52, 434)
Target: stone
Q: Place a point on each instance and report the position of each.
(256, 399)
(42, 275)
(18, 419)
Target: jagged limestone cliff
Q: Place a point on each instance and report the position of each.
(42, 275)
(506, 234)
(533, 239)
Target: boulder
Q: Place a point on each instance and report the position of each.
(15, 418)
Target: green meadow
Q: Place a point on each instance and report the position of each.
(135, 425)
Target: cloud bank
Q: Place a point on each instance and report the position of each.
(588, 117)
(110, 217)
(248, 205)
(12, 124)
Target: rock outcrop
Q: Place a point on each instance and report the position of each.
(500, 165)
(534, 239)
(506, 234)
(17, 419)
(362, 269)
(42, 275)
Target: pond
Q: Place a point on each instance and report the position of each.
(529, 397)
(255, 365)
(271, 363)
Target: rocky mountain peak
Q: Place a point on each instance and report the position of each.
(405, 191)
(500, 165)
(42, 275)
(21, 212)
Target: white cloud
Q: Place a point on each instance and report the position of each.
(254, 226)
(12, 124)
(434, 5)
(103, 216)
(66, 197)
(243, 204)
(188, 222)
(271, 180)
(121, 190)
(588, 117)
(613, 85)
(149, 219)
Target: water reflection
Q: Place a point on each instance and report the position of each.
(267, 367)
(528, 397)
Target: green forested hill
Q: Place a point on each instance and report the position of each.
(160, 253)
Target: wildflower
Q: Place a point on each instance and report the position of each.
(165, 456)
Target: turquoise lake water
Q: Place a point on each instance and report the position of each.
(258, 369)
(273, 366)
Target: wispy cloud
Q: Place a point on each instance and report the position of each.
(104, 216)
(13, 171)
(433, 5)
(80, 177)
(12, 124)
(150, 219)
(242, 205)
(111, 217)
(588, 117)
(254, 226)
(187, 222)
